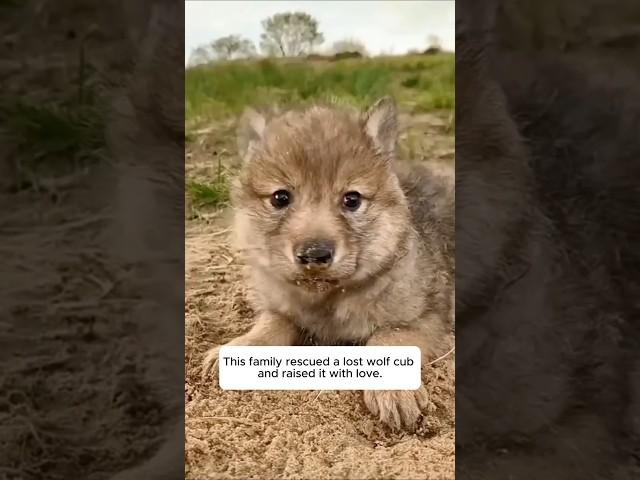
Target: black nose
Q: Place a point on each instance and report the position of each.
(317, 252)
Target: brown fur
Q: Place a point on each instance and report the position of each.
(547, 258)
(390, 282)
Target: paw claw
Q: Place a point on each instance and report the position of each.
(397, 408)
(210, 363)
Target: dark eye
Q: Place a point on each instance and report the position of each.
(280, 199)
(351, 201)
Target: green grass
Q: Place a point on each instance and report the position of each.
(55, 138)
(51, 139)
(222, 90)
(204, 195)
(53, 129)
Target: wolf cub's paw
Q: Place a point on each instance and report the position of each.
(399, 409)
(210, 362)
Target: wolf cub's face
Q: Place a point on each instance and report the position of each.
(317, 202)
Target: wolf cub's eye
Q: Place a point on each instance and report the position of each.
(351, 201)
(280, 199)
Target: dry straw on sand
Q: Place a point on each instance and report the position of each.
(300, 434)
(69, 358)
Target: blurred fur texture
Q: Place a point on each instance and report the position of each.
(547, 261)
(146, 139)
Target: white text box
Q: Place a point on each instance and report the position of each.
(319, 368)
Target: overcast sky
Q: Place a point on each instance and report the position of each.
(383, 26)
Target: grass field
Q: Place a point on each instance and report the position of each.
(420, 83)
(423, 86)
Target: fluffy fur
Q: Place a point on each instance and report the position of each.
(390, 281)
(547, 260)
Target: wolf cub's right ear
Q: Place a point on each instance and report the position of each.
(381, 124)
(250, 130)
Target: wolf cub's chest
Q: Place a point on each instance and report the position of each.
(334, 322)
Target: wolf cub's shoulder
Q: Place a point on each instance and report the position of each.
(430, 194)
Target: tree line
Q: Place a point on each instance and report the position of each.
(290, 34)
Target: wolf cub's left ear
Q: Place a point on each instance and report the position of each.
(381, 124)
(250, 131)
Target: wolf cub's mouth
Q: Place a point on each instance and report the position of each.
(317, 284)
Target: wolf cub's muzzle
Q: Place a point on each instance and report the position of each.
(315, 253)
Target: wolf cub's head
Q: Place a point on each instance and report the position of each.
(317, 202)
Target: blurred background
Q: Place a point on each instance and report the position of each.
(240, 54)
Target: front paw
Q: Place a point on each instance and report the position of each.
(210, 362)
(399, 409)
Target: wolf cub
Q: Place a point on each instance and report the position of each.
(343, 245)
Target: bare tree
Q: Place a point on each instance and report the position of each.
(233, 46)
(290, 34)
(200, 55)
(349, 45)
(434, 42)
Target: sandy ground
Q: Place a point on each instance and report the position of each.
(306, 434)
(74, 402)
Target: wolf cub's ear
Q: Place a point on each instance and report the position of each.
(250, 130)
(381, 124)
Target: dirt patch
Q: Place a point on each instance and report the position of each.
(72, 391)
(307, 434)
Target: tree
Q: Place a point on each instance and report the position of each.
(290, 34)
(200, 55)
(233, 46)
(434, 43)
(349, 45)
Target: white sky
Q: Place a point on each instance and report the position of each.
(383, 26)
